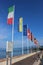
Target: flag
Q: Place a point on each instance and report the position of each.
(29, 34)
(10, 15)
(25, 30)
(35, 41)
(20, 24)
(32, 37)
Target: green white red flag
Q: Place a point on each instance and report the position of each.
(10, 15)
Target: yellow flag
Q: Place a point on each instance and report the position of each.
(20, 24)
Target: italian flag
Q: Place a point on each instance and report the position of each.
(10, 15)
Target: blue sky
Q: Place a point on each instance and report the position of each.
(32, 13)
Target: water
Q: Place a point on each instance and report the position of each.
(2, 53)
(16, 52)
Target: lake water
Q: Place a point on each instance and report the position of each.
(16, 52)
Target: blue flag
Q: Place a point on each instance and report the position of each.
(25, 30)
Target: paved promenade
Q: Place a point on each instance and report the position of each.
(27, 59)
(41, 61)
(31, 60)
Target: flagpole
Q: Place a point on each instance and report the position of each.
(29, 45)
(28, 33)
(13, 31)
(22, 38)
(38, 46)
(27, 40)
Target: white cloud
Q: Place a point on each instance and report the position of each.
(4, 33)
(2, 37)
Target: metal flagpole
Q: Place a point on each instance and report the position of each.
(27, 40)
(38, 46)
(7, 53)
(13, 30)
(29, 46)
(22, 38)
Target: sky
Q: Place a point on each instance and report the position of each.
(32, 13)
